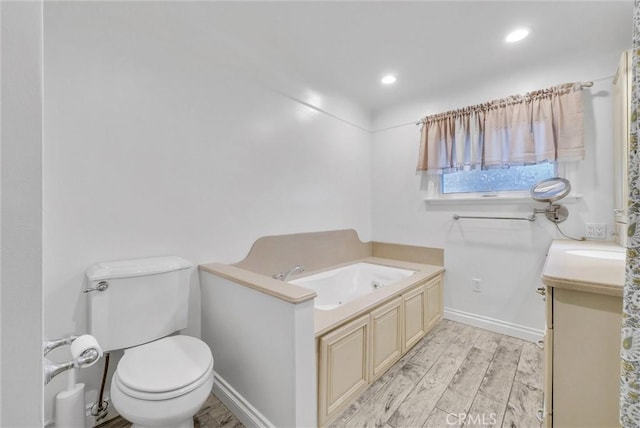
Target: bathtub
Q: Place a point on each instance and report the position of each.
(342, 285)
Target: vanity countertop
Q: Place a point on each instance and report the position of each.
(591, 266)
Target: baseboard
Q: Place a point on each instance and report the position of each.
(492, 324)
(239, 406)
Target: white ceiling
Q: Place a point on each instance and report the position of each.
(339, 47)
(346, 47)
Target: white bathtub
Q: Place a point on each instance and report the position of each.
(338, 286)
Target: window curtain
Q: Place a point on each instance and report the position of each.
(541, 126)
(630, 352)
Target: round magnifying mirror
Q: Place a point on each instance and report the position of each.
(550, 189)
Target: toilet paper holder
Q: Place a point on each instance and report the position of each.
(86, 357)
(50, 345)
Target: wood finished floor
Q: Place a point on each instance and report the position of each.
(213, 414)
(456, 376)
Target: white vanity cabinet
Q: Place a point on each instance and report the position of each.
(582, 340)
(583, 356)
(621, 128)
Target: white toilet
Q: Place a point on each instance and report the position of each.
(135, 305)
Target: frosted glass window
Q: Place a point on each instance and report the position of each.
(511, 178)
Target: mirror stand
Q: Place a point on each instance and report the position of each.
(554, 212)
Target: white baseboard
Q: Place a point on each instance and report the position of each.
(492, 324)
(239, 406)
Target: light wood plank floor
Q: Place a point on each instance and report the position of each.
(456, 376)
(213, 414)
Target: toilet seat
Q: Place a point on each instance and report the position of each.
(164, 369)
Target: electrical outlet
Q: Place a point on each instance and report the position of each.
(595, 230)
(475, 284)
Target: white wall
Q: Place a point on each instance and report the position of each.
(21, 214)
(506, 255)
(265, 351)
(160, 141)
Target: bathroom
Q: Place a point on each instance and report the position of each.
(159, 128)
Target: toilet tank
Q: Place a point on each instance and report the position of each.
(144, 300)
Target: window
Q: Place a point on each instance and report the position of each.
(510, 178)
(502, 147)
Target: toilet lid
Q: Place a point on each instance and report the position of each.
(164, 365)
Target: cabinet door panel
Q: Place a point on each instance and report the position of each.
(386, 336)
(586, 359)
(414, 316)
(434, 302)
(344, 366)
(548, 375)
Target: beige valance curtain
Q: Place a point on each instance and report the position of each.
(544, 125)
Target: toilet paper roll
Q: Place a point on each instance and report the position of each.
(82, 344)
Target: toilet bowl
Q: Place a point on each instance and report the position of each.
(163, 383)
(139, 305)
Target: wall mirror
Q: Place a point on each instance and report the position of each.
(550, 189)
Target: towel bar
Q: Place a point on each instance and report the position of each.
(532, 217)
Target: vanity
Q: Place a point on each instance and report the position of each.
(583, 292)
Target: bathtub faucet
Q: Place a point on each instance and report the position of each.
(283, 276)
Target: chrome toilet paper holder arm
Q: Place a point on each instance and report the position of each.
(51, 369)
(86, 358)
(50, 345)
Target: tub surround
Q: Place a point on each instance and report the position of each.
(265, 284)
(322, 251)
(254, 374)
(326, 320)
(408, 253)
(584, 283)
(314, 250)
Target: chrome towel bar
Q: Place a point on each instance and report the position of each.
(532, 217)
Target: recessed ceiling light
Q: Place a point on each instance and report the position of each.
(517, 35)
(389, 79)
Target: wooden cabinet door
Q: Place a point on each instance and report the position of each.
(343, 371)
(386, 336)
(548, 377)
(414, 302)
(586, 359)
(434, 302)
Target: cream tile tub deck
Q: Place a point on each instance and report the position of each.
(320, 252)
(327, 320)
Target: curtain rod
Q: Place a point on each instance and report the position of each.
(419, 122)
(582, 85)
